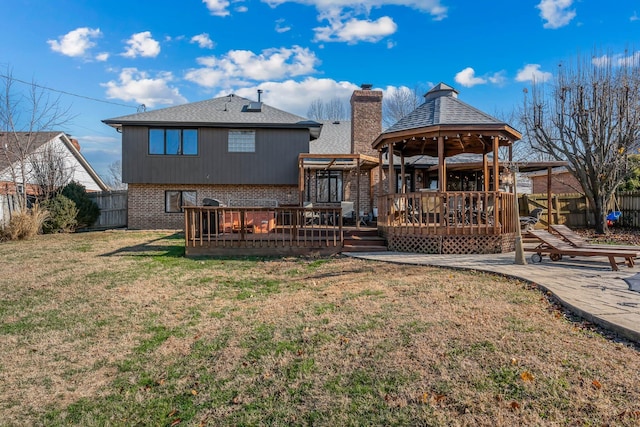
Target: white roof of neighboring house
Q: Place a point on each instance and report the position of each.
(80, 170)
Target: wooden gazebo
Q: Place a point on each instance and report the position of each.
(478, 218)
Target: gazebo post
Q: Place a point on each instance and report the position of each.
(442, 183)
(392, 171)
(496, 171)
(358, 194)
(485, 172)
(403, 178)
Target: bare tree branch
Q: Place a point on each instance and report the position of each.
(591, 119)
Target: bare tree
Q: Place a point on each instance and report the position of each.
(331, 110)
(114, 176)
(22, 115)
(591, 119)
(49, 171)
(400, 102)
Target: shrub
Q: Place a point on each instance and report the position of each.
(24, 225)
(88, 211)
(62, 215)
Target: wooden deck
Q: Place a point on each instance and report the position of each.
(222, 231)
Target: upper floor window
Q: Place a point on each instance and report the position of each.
(242, 141)
(176, 142)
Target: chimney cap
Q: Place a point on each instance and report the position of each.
(366, 86)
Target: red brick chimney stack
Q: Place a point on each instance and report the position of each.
(366, 119)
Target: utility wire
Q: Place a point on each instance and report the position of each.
(69, 93)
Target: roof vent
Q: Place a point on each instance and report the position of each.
(366, 86)
(254, 107)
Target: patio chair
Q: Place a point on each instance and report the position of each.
(348, 214)
(576, 240)
(556, 248)
(310, 216)
(529, 222)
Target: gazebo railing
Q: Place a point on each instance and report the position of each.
(447, 213)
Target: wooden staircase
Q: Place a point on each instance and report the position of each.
(363, 240)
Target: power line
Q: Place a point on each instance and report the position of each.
(69, 93)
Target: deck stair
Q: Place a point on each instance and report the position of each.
(363, 240)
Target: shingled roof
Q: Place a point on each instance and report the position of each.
(335, 138)
(442, 107)
(226, 111)
(465, 129)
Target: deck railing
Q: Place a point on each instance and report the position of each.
(257, 227)
(447, 213)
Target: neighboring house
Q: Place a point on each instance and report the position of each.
(562, 181)
(46, 149)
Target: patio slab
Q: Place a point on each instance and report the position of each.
(588, 288)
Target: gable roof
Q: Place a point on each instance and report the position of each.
(335, 138)
(442, 107)
(39, 139)
(226, 111)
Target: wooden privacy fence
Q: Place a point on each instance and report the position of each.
(113, 209)
(572, 209)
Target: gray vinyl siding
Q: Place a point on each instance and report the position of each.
(275, 160)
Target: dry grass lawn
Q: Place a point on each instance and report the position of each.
(118, 328)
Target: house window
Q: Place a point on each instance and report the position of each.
(176, 142)
(329, 186)
(242, 141)
(175, 200)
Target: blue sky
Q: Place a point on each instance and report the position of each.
(163, 53)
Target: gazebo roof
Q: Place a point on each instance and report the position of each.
(465, 128)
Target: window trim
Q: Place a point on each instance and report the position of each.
(180, 142)
(181, 201)
(233, 131)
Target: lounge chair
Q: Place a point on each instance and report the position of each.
(576, 240)
(528, 222)
(556, 248)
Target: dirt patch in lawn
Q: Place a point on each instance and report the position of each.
(119, 328)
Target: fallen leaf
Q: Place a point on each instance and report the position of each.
(514, 405)
(194, 392)
(172, 413)
(596, 384)
(514, 361)
(425, 397)
(526, 376)
(176, 422)
(438, 397)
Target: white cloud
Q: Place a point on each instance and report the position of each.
(467, 78)
(556, 13)
(634, 17)
(281, 27)
(498, 78)
(296, 96)
(75, 43)
(241, 65)
(354, 30)
(217, 7)
(137, 86)
(142, 44)
(618, 59)
(242, 9)
(102, 56)
(433, 7)
(531, 72)
(203, 40)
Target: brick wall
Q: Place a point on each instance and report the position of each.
(561, 183)
(147, 201)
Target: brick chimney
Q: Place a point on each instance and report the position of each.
(366, 119)
(75, 143)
